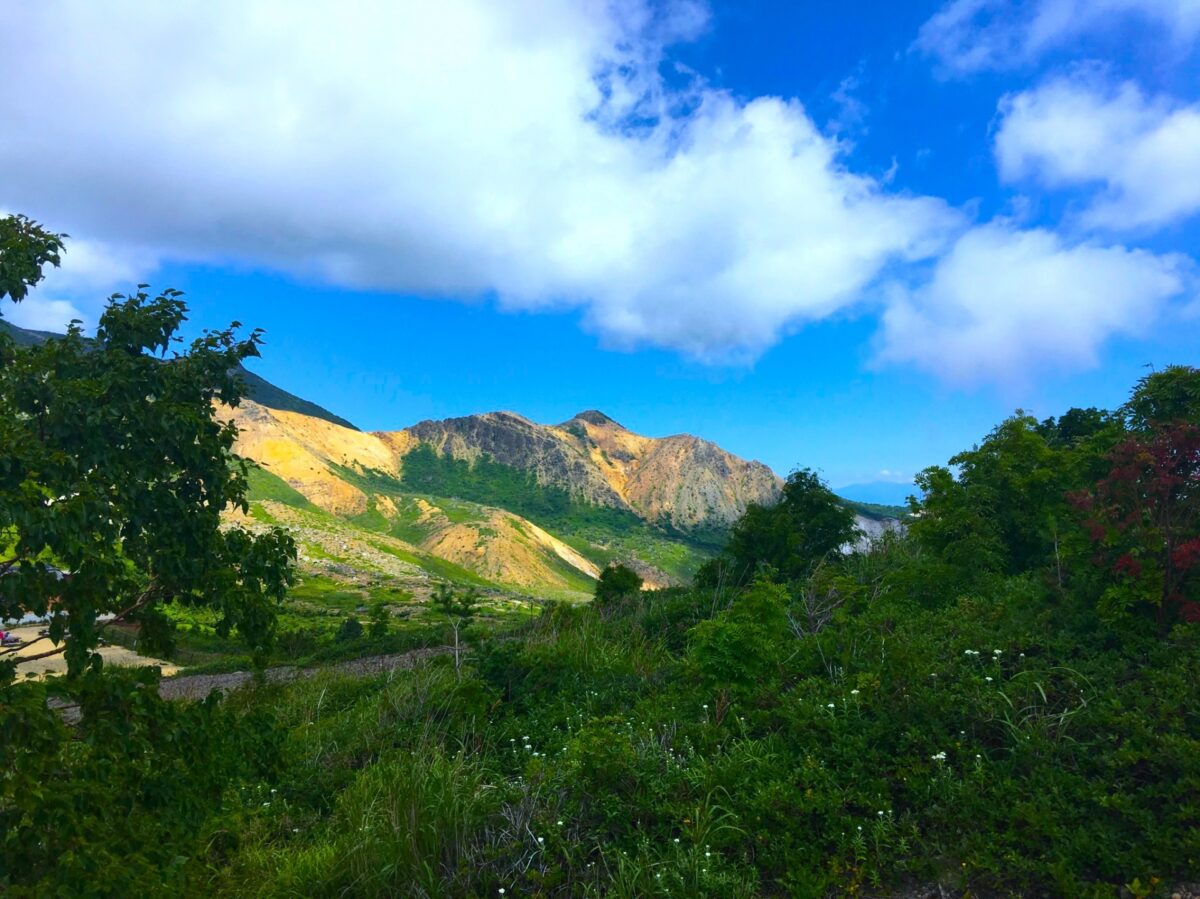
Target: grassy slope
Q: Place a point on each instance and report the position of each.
(600, 534)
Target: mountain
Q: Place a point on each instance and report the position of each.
(681, 481)
(493, 499)
(257, 388)
(25, 336)
(262, 391)
(539, 508)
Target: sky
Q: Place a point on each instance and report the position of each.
(849, 236)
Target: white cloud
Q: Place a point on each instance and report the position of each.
(40, 314)
(1143, 152)
(527, 150)
(967, 36)
(1005, 304)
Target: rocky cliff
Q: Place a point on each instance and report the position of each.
(682, 480)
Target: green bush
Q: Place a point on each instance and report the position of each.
(617, 582)
(351, 629)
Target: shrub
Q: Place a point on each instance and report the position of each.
(351, 629)
(617, 582)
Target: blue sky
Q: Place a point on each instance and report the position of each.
(848, 236)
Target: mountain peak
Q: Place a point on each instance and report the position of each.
(595, 417)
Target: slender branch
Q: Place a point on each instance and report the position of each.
(13, 649)
(146, 597)
(62, 647)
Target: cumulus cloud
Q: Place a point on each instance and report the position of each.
(41, 314)
(1142, 152)
(90, 272)
(1005, 304)
(967, 36)
(530, 151)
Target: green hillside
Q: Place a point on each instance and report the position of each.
(601, 534)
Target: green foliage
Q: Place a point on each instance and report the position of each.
(1005, 508)
(1165, 397)
(26, 248)
(946, 708)
(265, 485)
(459, 606)
(758, 762)
(117, 807)
(808, 523)
(492, 483)
(351, 629)
(617, 582)
(740, 649)
(877, 511)
(115, 468)
(380, 619)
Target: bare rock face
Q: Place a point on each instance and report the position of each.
(688, 482)
(694, 483)
(514, 440)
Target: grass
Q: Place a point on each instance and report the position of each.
(265, 485)
(581, 755)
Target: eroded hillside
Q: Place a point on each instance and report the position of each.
(681, 480)
(520, 505)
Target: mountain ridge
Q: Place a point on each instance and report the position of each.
(258, 388)
(528, 506)
(682, 479)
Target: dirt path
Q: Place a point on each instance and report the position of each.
(199, 686)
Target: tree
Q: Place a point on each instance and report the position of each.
(1163, 397)
(378, 620)
(26, 248)
(459, 607)
(807, 524)
(1144, 521)
(1004, 509)
(350, 630)
(115, 470)
(617, 582)
(737, 652)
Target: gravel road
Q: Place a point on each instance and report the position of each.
(198, 686)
